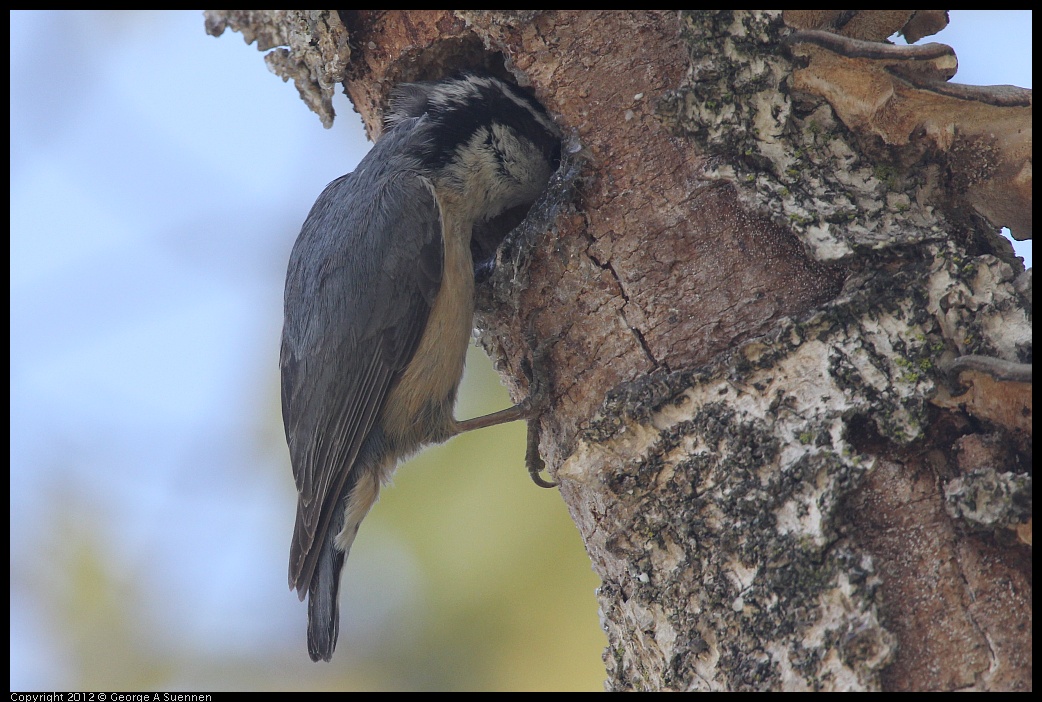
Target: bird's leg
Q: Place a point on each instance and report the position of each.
(511, 414)
(531, 408)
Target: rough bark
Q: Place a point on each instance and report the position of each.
(790, 415)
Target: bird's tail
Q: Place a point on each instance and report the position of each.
(323, 592)
(323, 606)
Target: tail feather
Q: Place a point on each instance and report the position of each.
(323, 607)
(323, 592)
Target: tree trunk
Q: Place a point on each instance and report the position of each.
(789, 413)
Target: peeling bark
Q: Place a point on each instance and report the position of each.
(791, 415)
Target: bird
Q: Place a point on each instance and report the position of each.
(379, 306)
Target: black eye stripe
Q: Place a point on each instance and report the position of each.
(457, 109)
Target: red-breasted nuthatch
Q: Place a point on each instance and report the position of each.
(380, 305)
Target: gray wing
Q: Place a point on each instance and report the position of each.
(362, 278)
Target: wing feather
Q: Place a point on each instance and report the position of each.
(362, 277)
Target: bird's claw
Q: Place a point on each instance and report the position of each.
(537, 402)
